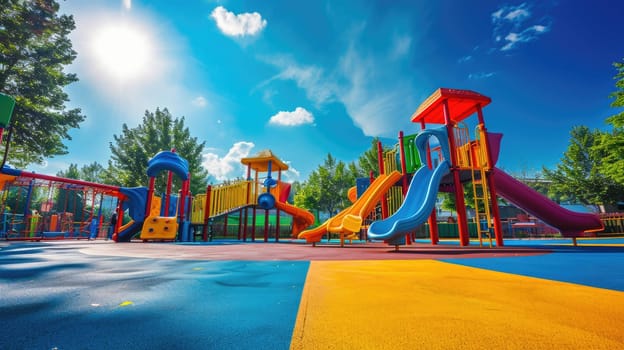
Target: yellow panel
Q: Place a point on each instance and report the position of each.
(160, 227)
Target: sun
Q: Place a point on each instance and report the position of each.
(122, 51)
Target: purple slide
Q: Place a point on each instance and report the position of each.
(569, 223)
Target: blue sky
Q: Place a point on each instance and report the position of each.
(307, 78)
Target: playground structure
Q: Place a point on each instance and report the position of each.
(245, 197)
(447, 158)
(36, 206)
(185, 218)
(390, 208)
(69, 208)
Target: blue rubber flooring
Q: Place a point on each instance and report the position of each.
(54, 297)
(596, 266)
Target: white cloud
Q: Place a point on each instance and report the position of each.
(510, 28)
(368, 100)
(291, 174)
(238, 25)
(529, 34)
(464, 59)
(401, 46)
(517, 14)
(511, 13)
(359, 85)
(127, 4)
(200, 101)
(228, 166)
(311, 79)
(482, 75)
(297, 117)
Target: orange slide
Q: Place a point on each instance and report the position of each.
(349, 221)
(301, 217)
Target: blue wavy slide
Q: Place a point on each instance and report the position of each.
(417, 206)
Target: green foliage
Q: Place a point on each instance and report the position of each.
(93, 172)
(611, 144)
(326, 188)
(448, 202)
(71, 173)
(577, 178)
(369, 160)
(159, 131)
(34, 49)
(617, 120)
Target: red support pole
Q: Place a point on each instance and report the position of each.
(277, 211)
(168, 193)
(253, 224)
(498, 229)
(380, 160)
(404, 184)
(181, 200)
(240, 223)
(408, 237)
(245, 224)
(382, 170)
(464, 235)
(266, 225)
(150, 194)
(432, 221)
(206, 213)
(433, 218)
(119, 222)
(225, 225)
(247, 200)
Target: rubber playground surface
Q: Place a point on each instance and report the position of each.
(530, 294)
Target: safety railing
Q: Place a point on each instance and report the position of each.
(223, 198)
(390, 161)
(613, 222)
(462, 146)
(471, 154)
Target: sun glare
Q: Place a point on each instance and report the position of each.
(122, 52)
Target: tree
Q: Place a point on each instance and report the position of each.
(93, 172)
(611, 144)
(577, 178)
(326, 188)
(71, 173)
(159, 131)
(369, 160)
(34, 49)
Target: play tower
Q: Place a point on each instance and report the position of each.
(451, 158)
(470, 160)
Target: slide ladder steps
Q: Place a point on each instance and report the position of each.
(483, 214)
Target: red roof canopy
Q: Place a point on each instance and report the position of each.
(462, 104)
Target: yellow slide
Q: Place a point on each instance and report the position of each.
(349, 221)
